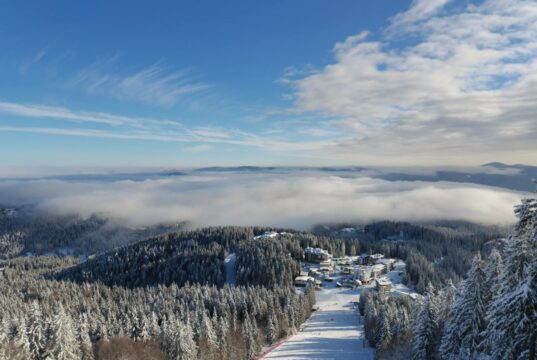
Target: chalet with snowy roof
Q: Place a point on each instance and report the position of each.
(377, 270)
(371, 259)
(364, 274)
(316, 255)
(388, 263)
(304, 280)
(326, 266)
(383, 286)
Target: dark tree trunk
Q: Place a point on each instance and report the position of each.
(533, 343)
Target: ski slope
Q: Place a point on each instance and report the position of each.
(231, 271)
(333, 332)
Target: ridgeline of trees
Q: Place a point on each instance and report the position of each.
(22, 233)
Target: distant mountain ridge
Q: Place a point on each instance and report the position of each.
(519, 180)
(516, 177)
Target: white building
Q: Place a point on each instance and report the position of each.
(383, 286)
(304, 280)
(316, 254)
(364, 274)
(388, 263)
(377, 270)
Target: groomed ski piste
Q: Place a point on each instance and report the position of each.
(231, 269)
(333, 332)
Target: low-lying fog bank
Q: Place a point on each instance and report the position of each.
(288, 199)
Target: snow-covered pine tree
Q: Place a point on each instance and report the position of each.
(63, 344)
(222, 336)
(206, 331)
(21, 339)
(272, 327)
(3, 339)
(528, 325)
(426, 327)
(494, 271)
(187, 348)
(447, 298)
(511, 317)
(466, 320)
(384, 332)
(250, 336)
(154, 327)
(86, 347)
(35, 331)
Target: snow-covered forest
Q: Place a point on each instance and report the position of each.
(166, 297)
(494, 312)
(51, 309)
(491, 314)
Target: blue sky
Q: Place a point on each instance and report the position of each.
(309, 82)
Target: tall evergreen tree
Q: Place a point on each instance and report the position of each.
(250, 336)
(63, 344)
(35, 330)
(427, 327)
(467, 317)
(86, 347)
(511, 317)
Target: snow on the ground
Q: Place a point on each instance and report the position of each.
(267, 235)
(231, 271)
(333, 332)
(398, 288)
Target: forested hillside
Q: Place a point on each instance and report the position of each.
(434, 253)
(490, 315)
(24, 231)
(67, 320)
(159, 298)
(166, 297)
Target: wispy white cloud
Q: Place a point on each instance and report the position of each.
(196, 149)
(111, 126)
(28, 63)
(55, 112)
(153, 85)
(419, 10)
(239, 138)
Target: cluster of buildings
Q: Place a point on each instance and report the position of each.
(374, 266)
(326, 266)
(363, 270)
